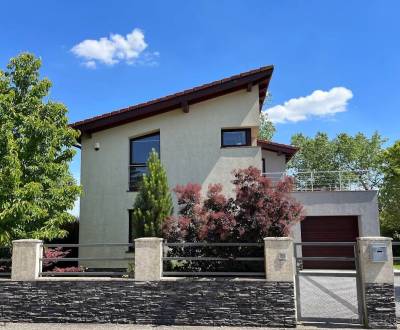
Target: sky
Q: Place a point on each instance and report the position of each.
(337, 62)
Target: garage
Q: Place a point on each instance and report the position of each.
(329, 229)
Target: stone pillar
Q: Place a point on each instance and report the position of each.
(375, 261)
(148, 258)
(26, 254)
(279, 262)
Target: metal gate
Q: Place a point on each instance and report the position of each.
(327, 295)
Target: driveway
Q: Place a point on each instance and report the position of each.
(333, 299)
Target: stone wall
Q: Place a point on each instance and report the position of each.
(171, 302)
(381, 305)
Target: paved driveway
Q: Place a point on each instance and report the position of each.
(333, 299)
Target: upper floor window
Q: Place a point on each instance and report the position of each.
(236, 137)
(140, 149)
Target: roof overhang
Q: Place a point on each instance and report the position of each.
(260, 77)
(281, 149)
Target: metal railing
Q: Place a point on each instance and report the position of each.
(324, 180)
(5, 262)
(300, 259)
(76, 261)
(196, 249)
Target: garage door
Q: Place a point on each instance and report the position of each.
(329, 229)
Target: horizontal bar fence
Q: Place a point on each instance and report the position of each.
(5, 262)
(300, 259)
(205, 261)
(54, 269)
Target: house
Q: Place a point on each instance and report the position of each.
(201, 134)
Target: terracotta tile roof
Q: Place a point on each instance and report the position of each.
(285, 149)
(260, 77)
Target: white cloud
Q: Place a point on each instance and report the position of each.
(90, 64)
(317, 104)
(114, 49)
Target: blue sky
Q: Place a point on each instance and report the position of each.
(352, 46)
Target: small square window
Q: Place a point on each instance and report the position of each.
(235, 137)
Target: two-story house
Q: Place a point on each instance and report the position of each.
(201, 134)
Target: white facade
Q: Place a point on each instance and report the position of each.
(363, 204)
(190, 150)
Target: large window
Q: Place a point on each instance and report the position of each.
(235, 137)
(140, 149)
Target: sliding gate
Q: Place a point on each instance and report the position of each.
(325, 294)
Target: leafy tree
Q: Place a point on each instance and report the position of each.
(390, 193)
(267, 128)
(36, 146)
(258, 209)
(153, 203)
(317, 154)
(358, 154)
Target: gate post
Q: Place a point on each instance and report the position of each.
(279, 272)
(279, 263)
(26, 254)
(148, 258)
(375, 260)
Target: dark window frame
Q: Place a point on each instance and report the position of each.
(132, 187)
(248, 137)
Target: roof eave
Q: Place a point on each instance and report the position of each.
(168, 103)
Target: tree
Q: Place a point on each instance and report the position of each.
(357, 154)
(153, 203)
(36, 146)
(267, 128)
(258, 209)
(390, 193)
(317, 154)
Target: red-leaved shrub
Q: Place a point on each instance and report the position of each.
(57, 253)
(258, 209)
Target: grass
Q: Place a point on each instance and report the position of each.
(396, 265)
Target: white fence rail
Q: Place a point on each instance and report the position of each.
(324, 180)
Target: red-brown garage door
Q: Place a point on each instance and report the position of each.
(329, 229)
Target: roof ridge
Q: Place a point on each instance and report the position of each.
(170, 96)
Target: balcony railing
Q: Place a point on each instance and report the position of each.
(325, 180)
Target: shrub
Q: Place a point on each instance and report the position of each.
(258, 209)
(50, 265)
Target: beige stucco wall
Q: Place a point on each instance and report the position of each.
(190, 148)
(363, 204)
(273, 161)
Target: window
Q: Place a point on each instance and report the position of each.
(235, 137)
(140, 149)
(135, 230)
(263, 165)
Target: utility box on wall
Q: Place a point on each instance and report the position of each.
(378, 253)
